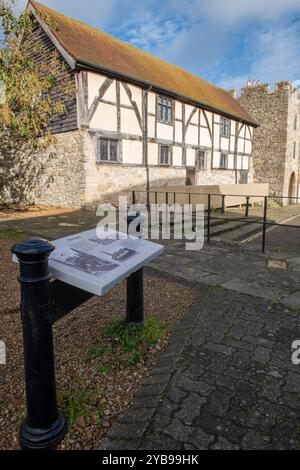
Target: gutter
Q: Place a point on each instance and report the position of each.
(93, 66)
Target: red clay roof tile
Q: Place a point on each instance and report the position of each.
(86, 44)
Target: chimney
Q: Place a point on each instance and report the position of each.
(233, 93)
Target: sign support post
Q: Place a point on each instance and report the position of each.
(44, 427)
(135, 282)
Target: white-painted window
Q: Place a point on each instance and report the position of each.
(201, 159)
(225, 127)
(164, 110)
(108, 150)
(223, 160)
(164, 155)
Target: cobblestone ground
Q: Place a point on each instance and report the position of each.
(225, 382)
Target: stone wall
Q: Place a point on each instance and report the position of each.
(63, 181)
(273, 160)
(74, 178)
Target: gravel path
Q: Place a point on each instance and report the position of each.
(93, 378)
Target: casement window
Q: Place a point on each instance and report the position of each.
(165, 155)
(243, 177)
(108, 150)
(164, 110)
(201, 160)
(225, 126)
(223, 160)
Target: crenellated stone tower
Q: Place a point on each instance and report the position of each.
(276, 151)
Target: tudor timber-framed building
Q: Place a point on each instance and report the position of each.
(135, 121)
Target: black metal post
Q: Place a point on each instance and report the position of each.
(223, 204)
(135, 298)
(208, 217)
(247, 206)
(135, 288)
(265, 224)
(44, 427)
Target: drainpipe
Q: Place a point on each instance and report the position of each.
(146, 145)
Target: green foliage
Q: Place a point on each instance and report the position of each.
(11, 234)
(135, 339)
(134, 359)
(95, 351)
(75, 403)
(29, 76)
(103, 369)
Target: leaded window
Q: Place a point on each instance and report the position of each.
(224, 127)
(165, 110)
(223, 160)
(164, 157)
(108, 150)
(201, 159)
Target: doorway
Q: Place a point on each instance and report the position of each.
(292, 188)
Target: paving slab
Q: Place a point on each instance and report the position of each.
(232, 384)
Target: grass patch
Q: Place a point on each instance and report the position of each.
(95, 351)
(75, 403)
(103, 369)
(11, 234)
(135, 339)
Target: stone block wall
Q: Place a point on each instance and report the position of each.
(273, 160)
(62, 183)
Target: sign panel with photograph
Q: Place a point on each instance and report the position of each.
(97, 260)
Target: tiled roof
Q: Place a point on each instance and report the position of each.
(96, 49)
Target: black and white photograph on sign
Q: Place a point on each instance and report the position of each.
(98, 259)
(82, 261)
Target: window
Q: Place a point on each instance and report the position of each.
(108, 150)
(201, 160)
(294, 150)
(223, 160)
(224, 127)
(164, 157)
(295, 122)
(243, 177)
(165, 110)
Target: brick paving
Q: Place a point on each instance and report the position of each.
(226, 381)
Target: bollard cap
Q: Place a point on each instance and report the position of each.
(36, 247)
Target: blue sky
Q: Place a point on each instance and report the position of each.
(223, 41)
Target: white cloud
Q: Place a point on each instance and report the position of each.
(275, 56)
(230, 12)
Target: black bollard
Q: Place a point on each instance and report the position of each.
(44, 427)
(135, 285)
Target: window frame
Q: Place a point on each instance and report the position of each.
(225, 127)
(109, 140)
(223, 154)
(198, 159)
(169, 107)
(169, 155)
